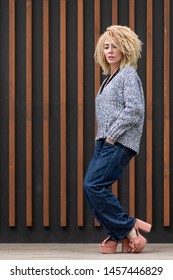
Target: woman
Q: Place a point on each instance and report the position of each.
(120, 117)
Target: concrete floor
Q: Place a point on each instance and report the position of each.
(80, 252)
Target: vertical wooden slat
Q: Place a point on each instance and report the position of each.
(132, 14)
(132, 187)
(63, 218)
(149, 90)
(132, 162)
(115, 21)
(80, 112)
(114, 11)
(46, 112)
(166, 113)
(11, 113)
(96, 37)
(29, 113)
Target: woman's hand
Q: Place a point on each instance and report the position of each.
(109, 141)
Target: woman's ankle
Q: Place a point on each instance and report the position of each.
(132, 234)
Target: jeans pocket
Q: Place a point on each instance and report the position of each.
(115, 158)
(108, 145)
(125, 156)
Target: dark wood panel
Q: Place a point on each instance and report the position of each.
(97, 67)
(80, 111)
(46, 112)
(115, 21)
(166, 112)
(132, 162)
(12, 125)
(28, 113)
(63, 128)
(149, 93)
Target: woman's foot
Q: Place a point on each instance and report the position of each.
(134, 245)
(135, 242)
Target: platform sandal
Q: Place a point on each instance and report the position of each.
(144, 226)
(108, 246)
(136, 244)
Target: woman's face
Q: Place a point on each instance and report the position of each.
(112, 54)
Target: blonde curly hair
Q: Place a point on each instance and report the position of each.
(126, 40)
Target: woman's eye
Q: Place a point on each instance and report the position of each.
(107, 47)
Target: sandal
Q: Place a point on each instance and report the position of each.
(108, 246)
(144, 226)
(134, 245)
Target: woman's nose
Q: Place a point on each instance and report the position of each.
(110, 49)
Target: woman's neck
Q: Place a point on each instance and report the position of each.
(114, 69)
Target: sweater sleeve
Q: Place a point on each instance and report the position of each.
(133, 105)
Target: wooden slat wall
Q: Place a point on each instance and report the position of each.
(78, 75)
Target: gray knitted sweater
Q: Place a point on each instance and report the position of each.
(120, 109)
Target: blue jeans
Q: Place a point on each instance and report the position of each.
(105, 168)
